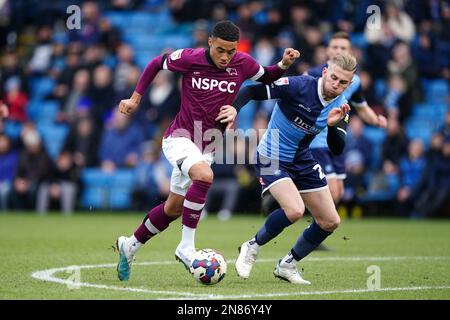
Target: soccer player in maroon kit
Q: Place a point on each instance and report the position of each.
(211, 80)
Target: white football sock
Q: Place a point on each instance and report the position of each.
(187, 238)
(288, 259)
(133, 244)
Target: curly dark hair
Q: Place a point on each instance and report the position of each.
(226, 30)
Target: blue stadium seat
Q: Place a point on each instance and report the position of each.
(376, 137)
(120, 198)
(436, 91)
(358, 40)
(94, 198)
(41, 87)
(94, 177)
(380, 89)
(123, 178)
(12, 129)
(54, 137)
(47, 112)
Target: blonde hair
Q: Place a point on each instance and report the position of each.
(346, 61)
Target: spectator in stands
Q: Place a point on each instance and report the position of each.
(163, 101)
(355, 185)
(396, 24)
(41, 60)
(16, 99)
(397, 102)
(101, 94)
(152, 184)
(8, 165)
(368, 90)
(60, 186)
(120, 143)
(226, 189)
(357, 155)
(82, 142)
(402, 64)
(264, 51)
(356, 142)
(33, 167)
(411, 170)
(89, 33)
(78, 91)
(200, 34)
(10, 68)
(395, 144)
(433, 192)
(426, 56)
(125, 65)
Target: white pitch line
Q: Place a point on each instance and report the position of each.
(49, 275)
(308, 293)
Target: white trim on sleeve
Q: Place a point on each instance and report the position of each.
(258, 74)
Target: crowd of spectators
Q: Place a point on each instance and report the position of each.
(91, 69)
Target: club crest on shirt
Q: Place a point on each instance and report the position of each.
(282, 81)
(231, 71)
(176, 54)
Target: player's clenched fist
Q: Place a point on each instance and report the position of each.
(337, 114)
(289, 57)
(128, 106)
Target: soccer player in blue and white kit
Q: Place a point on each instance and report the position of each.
(333, 165)
(306, 105)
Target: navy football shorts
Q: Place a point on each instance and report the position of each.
(333, 166)
(305, 172)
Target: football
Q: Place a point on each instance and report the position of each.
(208, 266)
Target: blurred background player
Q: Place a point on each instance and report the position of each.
(211, 80)
(285, 165)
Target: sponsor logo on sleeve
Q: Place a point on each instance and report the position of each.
(282, 81)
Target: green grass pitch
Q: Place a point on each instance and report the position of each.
(411, 258)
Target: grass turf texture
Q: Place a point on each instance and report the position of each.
(30, 243)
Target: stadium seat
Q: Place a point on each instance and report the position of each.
(380, 89)
(47, 112)
(41, 87)
(54, 137)
(376, 136)
(94, 198)
(12, 129)
(94, 177)
(119, 198)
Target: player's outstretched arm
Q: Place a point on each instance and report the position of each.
(370, 117)
(273, 73)
(253, 92)
(128, 106)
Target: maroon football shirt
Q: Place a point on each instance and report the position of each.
(206, 88)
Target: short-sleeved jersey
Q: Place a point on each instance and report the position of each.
(299, 115)
(206, 88)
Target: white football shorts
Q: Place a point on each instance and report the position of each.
(182, 154)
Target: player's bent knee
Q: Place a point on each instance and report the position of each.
(205, 176)
(330, 224)
(294, 213)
